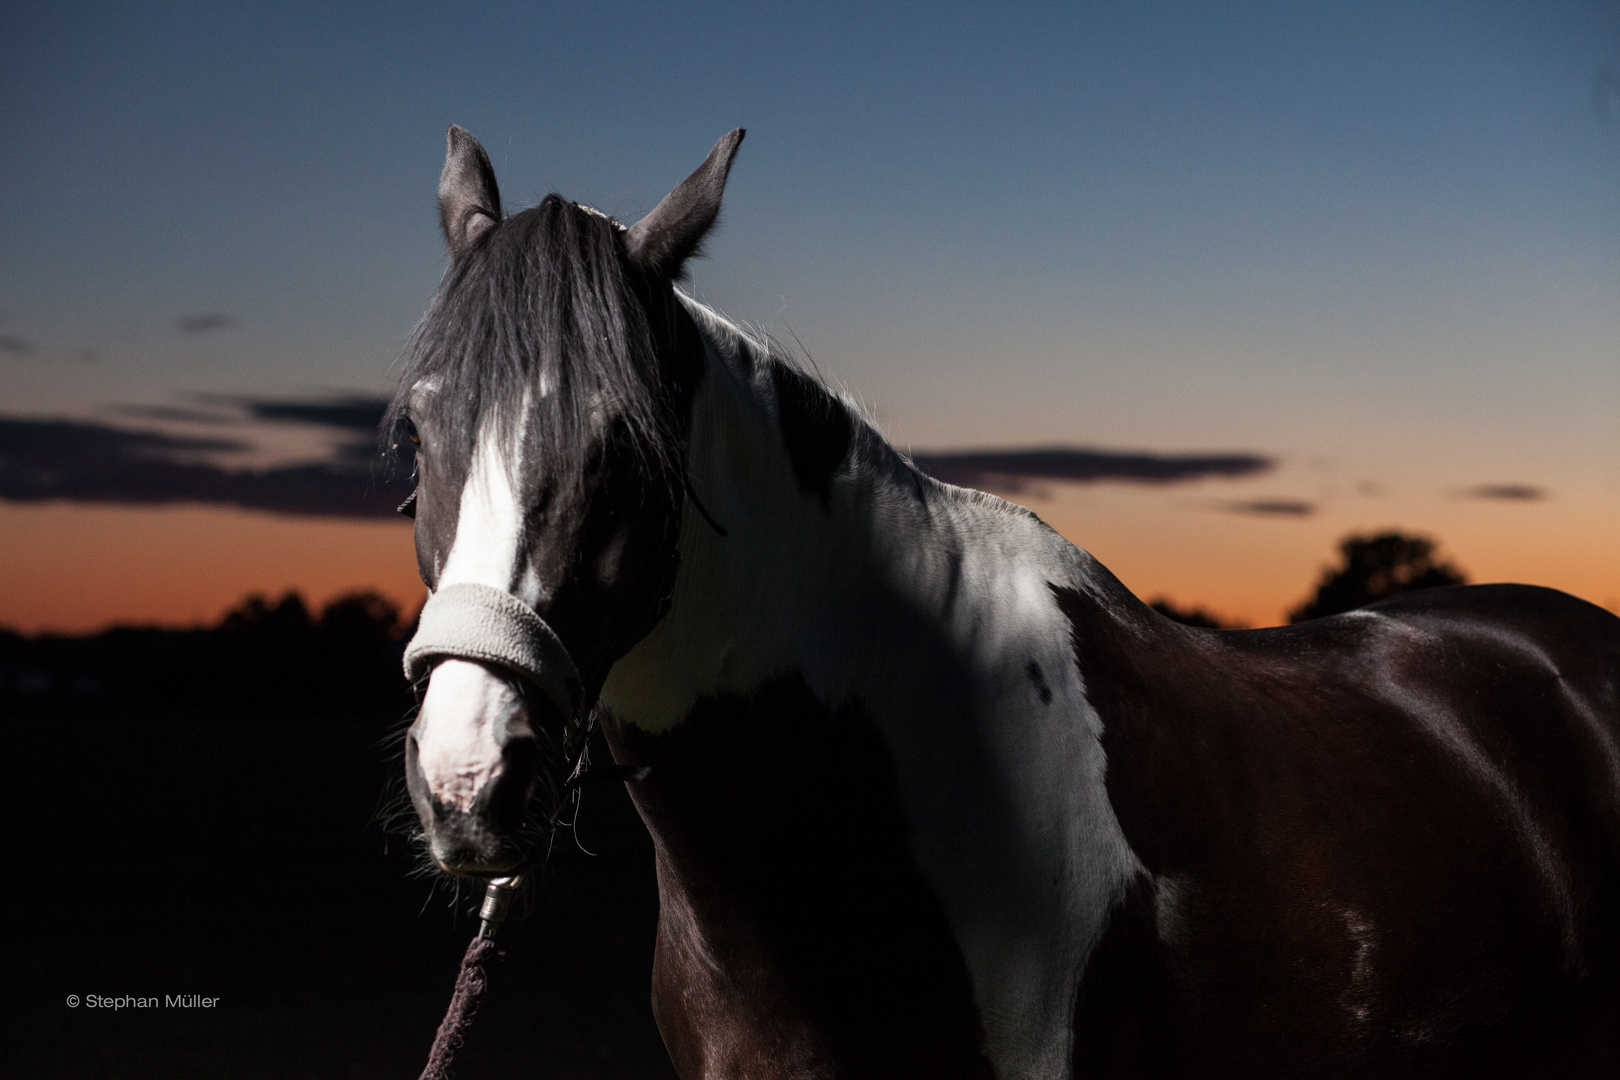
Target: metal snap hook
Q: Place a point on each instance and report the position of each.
(497, 898)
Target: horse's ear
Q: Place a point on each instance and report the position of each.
(662, 241)
(469, 201)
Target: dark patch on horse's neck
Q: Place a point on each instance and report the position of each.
(796, 934)
(816, 428)
(680, 348)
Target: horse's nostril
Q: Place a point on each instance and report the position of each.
(463, 842)
(505, 799)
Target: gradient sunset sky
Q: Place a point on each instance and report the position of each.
(1376, 244)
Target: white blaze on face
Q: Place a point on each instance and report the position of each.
(489, 526)
(467, 714)
(468, 711)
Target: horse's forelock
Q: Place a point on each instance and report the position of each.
(537, 331)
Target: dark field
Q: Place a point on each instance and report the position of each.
(195, 813)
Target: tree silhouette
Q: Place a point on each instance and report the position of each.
(1376, 567)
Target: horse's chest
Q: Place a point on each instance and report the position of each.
(797, 936)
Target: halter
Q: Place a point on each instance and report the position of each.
(468, 621)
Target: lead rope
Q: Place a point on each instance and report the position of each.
(473, 981)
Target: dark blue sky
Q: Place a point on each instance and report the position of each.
(1381, 236)
(927, 192)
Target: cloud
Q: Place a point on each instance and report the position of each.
(88, 462)
(174, 414)
(1266, 507)
(344, 413)
(357, 416)
(201, 324)
(1013, 470)
(1507, 492)
(11, 343)
(95, 463)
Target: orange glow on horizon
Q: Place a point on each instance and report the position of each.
(76, 569)
(1254, 569)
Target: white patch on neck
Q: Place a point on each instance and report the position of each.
(930, 612)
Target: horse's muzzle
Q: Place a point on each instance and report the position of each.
(478, 763)
(482, 838)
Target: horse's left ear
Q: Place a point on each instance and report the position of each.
(660, 243)
(469, 201)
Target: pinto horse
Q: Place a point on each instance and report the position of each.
(931, 793)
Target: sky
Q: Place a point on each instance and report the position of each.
(1373, 247)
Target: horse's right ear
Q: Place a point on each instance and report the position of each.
(469, 201)
(662, 241)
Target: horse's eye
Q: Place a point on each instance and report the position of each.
(410, 433)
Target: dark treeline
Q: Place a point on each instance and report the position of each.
(261, 652)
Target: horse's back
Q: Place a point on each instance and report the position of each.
(1519, 684)
(1382, 843)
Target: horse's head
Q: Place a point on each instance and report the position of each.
(548, 389)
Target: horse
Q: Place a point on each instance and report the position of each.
(931, 793)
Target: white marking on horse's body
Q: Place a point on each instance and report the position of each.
(934, 612)
(1360, 994)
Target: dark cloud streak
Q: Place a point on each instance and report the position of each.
(86, 462)
(350, 413)
(1271, 508)
(69, 460)
(202, 324)
(173, 414)
(1012, 470)
(1507, 492)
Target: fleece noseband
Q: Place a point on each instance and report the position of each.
(477, 622)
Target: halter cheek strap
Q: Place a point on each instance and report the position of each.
(467, 621)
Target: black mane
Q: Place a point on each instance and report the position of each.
(544, 299)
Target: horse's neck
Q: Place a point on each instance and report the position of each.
(773, 596)
(877, 629)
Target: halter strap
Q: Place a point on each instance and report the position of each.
(467, 621)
